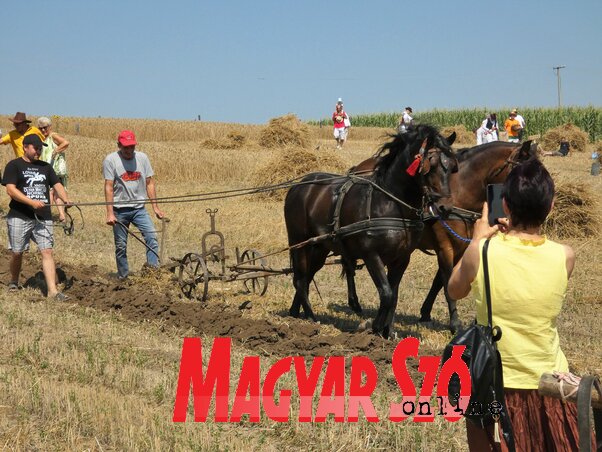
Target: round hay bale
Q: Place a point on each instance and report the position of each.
(291, 163)
(463, 136)
(577, 138)
(286, 130)
(575, 212)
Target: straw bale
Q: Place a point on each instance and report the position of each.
(463, 136)
(233, 140)
(577, 138)
(284, 131)
(575, 212)
(292, 162)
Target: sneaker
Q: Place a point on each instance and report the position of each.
(61, 297)
(13, 286)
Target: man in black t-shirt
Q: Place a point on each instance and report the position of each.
(28, 181)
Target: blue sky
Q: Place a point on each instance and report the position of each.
(243, 61)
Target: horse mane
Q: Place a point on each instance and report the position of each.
(399, 142)
(467, 153)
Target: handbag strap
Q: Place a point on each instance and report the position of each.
(487, 287)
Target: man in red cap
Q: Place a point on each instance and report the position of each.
(129, 185)
(22, 128)
(28, 181)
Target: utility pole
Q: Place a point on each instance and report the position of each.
(557, 69)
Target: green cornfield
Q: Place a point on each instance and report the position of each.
(538, 120)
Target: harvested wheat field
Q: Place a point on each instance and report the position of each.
(99, 372)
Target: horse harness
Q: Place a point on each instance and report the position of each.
(509, 162)
(369, 223)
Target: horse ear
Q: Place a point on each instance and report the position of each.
(450, 139)
(524, 153)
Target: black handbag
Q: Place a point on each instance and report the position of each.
(486, 405)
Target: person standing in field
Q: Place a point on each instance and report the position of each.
(487, 133)
(54, 154)
(513, 127)
(492, 128)
(128, 186)
(28, 181)
(529, 278)
(522, 123)
(406, 121)
(340, 120)
(22, 128)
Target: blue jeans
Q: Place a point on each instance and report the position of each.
(142, 220)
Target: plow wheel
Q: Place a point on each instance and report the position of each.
(257, 285)
(193, 277)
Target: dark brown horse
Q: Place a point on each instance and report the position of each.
(477, 167)
(376, 218)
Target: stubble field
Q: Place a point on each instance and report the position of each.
(99, 372)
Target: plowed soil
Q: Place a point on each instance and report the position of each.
(154, 297)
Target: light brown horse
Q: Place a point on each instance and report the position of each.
(477, 167)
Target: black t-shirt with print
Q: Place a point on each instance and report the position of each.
(34, 179)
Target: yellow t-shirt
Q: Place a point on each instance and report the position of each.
(16, 139)
(528, 284)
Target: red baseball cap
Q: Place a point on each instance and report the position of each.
(127, 138)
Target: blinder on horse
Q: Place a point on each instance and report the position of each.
(423, 163)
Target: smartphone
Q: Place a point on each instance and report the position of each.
(494, 203)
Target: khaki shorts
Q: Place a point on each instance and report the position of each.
(21, 231)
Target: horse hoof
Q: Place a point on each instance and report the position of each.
(381, 333)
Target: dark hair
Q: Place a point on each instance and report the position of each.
(409, 109)
(529, 192)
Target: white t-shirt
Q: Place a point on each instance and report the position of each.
(521, 120)
(407, 122)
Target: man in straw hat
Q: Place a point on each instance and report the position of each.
(129, 185)
(22, 129)
(28, 181)
(513, 127)
(522, 123)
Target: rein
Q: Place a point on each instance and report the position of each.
(509, 162)
(68, 225)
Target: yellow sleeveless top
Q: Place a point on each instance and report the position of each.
(528, 282)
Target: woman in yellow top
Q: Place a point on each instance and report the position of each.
(528, 280)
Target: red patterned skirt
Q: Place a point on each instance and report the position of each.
(540, 424)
